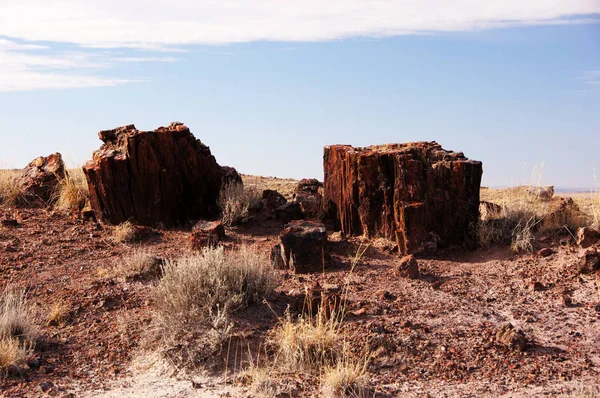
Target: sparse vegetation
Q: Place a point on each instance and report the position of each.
(236, 201)
(348, 378)
(59, 314)
(10, 191)
(18, 333)
(138, 265)
(72, 191)
(521, 213)
(285, 186)
(197, 294)
(125, 232)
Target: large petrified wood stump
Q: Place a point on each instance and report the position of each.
(164, 177)
(417, 194)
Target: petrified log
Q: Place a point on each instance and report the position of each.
(229, 175)
(164, 177)
(309, 194)
(302, 247)
(207, 234)
(417, 194)
(40, 178)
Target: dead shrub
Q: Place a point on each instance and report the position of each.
(139, 265)
(18, 333)
(236, 201)
(72, 191)
(308, 341)
(59, 314)
(197, 295)
(125, 232)
(348, 378)
(10, 190)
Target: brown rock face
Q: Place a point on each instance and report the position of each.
(417, 194)
(164, 177)
(302, 247)
(408, 267)
(309, 195)
(41, 176)
(207, 234)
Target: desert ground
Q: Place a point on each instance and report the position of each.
(516, 316)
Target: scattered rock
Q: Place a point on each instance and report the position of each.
(46, 386)
(230, 175)
(302, 247)
(289, 212)
(590, 261)
(417, 194)
(587, 237)
(545, 252)
(164, 177)
(33, 364)
(408, 267)
(207, 234)
(309, 195)
(14, 371)
(511, 337)
(272, 199)
(40, 178)
(543, 193)
(536, 286)
(9, 222)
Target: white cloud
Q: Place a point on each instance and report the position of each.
(141, 23)
(30, 67)
(160, 26)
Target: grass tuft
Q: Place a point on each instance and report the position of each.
(125, 232)
(236, 201)
(18, 333)
(348, 378)
(10, 190)
(140, 264)
(72, 191)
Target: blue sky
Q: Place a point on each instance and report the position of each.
(266, 92)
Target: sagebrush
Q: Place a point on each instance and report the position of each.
(236, 201)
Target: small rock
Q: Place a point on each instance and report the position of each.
(46, 386)
(408, 267)
(587, 237)
(9, 222)
(536, 286)
(330, 287)
(590, 261)
(14, 371)
(545, 252)
(565, 300)
(359, 312)
(511, 337)
(382, 294)
(33, 364)
(207, 234)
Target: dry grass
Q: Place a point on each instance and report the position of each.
(140, 264)
(307, 342)
(285, 186)
(236, 201)
(18, 333)
(348, 378)
(523, 213)
(71, 192)
(197, 295)
(59, 314)
(125, 232)
(10, 191)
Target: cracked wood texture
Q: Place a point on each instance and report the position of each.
(417, 194)
(164, 177)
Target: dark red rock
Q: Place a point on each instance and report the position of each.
(309, 195)
(40, 178)
(545, 252)
(417, 194)
(289, 212)
(587, 237)
(408, 267)
(272, 199)
(229, 175)
(207, 234)
(164, 177)
(9, 222)
(589, 261)
(302, 247)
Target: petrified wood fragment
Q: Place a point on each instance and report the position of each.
(164, 177)
(40, 178)
(417, 194)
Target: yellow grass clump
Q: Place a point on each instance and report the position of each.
(72, 191)
(18, 333)
(236, 201)
(10, 191)
(125, 232)
(348, 378)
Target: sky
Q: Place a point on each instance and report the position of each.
(267, 83)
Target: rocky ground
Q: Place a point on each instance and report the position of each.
(430, 336)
